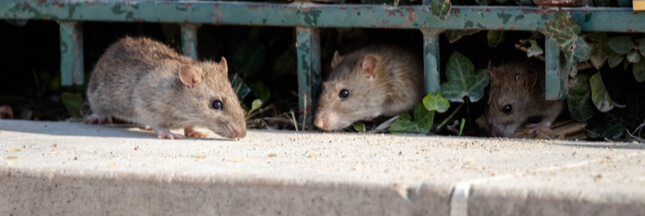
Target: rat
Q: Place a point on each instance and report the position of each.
(369, 82)
(146, 82)
(517, 97)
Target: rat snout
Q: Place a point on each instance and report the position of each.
(325, 120)
(238, 131)
(319, 122)
(495, 130)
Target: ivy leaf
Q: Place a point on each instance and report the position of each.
(621, 44)
(422, 123)
(615, 59)
(241, 89)
(641, 46)
(579, 101)
(74, 103)
(534, 49)
(462, 80)
(563, 29)
(633, 56)
(359, 127)
(600, 127)
(260, 90)
(440, 9)
(256, 104)
(599, 94)
(639, 71)
(455, 35)
(599, 49)
(436, 102)
(495, 38)
(423, 117)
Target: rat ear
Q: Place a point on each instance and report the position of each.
(490, 70)
(368, 66)
(336, 59)
(188, 75)
(223, 65)
(325, 84)
(528, 80)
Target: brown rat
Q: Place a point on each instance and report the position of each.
(144, 81)
(369, 82)
(517, 93)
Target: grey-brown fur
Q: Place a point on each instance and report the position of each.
(520, 85)
(396, 86)
(137, 79)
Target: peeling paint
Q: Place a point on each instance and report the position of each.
(504, 16)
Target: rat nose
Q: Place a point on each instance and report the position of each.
(319, 123)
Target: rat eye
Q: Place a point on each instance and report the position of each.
(343, 93)
(507, 108)
(217, 104)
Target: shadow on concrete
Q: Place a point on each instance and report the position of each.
(80, 129)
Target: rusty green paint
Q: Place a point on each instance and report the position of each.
(71, 53)
(189, 39)
(309, 80)
(523, 18)
(555, 80)
(431, 60)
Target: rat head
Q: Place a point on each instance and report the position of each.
(354, 91)
(511, 86)
(208, 99)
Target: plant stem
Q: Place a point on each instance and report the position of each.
(444, 122)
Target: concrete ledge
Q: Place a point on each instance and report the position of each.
(59, 168)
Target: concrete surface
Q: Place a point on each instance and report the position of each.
(60, 168)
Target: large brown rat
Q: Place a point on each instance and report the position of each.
(369, 82)
(144, 81)
(517, 94)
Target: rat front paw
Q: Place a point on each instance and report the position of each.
(189, 132)
(96, 119)
(534, 129)
(166, 134)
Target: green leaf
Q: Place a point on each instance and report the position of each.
(455, 35)
(633, 56)
(360, 127)
(621, 44)
(462, 81)
(579, 101)
(260, 90)
(600, 127)
(423, 117)
(256, 104)
(461, 128)
(440, 9)
(641, 46)
(563, 29)
(599, 49)
(74, 103)
(534, 49)
(599, 94)
(241, 89)
(639, 71)
(615, 59)
(495, 38)
(436, 102)
(422, 123)
(249, 58)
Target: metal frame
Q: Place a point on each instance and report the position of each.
(306, 17)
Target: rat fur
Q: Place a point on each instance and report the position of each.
(369, 82)
(146, 82)
(517, 93)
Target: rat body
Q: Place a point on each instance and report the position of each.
(517, 93)
(369, 82)
(144, 81)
